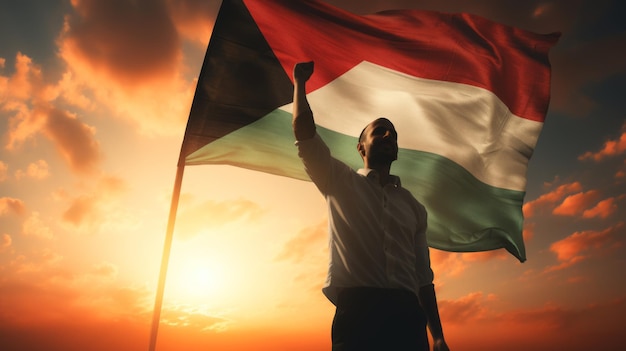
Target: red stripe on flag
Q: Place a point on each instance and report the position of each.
(462, 48)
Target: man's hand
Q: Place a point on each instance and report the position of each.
(440, 345)
(302, 71)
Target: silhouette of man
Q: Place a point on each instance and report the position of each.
(379, 275)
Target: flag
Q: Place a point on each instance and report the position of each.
(468, 97)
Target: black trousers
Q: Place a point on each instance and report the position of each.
(373, 319)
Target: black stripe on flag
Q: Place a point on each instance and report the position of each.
(241, 80)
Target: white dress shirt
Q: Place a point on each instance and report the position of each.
(377, 233)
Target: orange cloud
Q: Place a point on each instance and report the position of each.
(35, 170)
(621, 173)
(577, 203)
(553, 326)
(5, 242)
(11, 205)
(551, 316)
(81, 208)
(25, 83)
(580, 245)
(193, 219)
(191, 318)
(92, 207)
(31, 100)
(466, 310)
(447, 263)
(35, 227)
(74, 140)
(194, 19)
(105, 269)
(129, 55)
(311, 239)
(603, 209)
(530, 208)
(528, 232)
(611, 148)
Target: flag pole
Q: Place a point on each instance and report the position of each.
(169, 235)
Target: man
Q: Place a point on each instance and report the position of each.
(379, 274)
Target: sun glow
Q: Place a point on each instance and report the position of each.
(195, 278)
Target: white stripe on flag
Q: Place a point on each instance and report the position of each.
(463, 123)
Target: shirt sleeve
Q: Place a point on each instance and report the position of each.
(318, 162)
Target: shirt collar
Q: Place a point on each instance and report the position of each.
(372, 174)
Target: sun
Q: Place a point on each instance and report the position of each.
(194, 278)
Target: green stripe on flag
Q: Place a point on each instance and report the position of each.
(465, 214)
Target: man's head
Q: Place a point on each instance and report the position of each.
(378, 143)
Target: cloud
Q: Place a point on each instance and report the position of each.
(74, 140)
(603, 209)
(81, 208)
(309, 242)
(463, 311)
(41, 287)
(576, 204)
(35, 170)
(582, 203)
(550, 315)
(31, 101)
(35, 227)
(611, 148)
(5, 242)
(129, 55)
(472, 321)
(189, 317)
(621, 173)
(194, 19)
(447, 263)
(543, 10)
(105, 269)
(582, 245)
(193, 219)
(25, 83)
(93, 206)
(11, 205)
(528, 232)
(581, 64)
(545, 200)
(20, 90)
(133, 41)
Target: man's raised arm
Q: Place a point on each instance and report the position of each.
(303, 123)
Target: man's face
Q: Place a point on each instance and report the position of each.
(379, 142)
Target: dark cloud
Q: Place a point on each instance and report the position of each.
(578, 67)
(74, 139)
(131, 40)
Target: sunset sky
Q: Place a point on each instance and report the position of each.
(94, 97)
